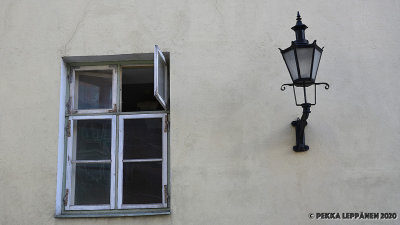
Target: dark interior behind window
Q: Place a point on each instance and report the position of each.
(138, 89)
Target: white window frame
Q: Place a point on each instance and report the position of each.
(70, 64)
(74, 83)
(157, 56)
(121, 161)
(70, 142)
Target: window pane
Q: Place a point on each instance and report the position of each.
(142, 138)
(92, 184)
(138, 90)
(93, 141)
(142, 183)
(162, 71)
(94, 89)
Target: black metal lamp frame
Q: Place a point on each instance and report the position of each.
(301, 123)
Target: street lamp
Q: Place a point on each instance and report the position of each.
(302, 60)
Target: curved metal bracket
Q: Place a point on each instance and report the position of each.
(291, 85)
(284, 88)
(326, 85)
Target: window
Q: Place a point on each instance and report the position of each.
(115, 138)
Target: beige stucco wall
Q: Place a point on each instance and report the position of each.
(231, 139)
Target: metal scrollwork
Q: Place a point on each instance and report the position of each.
(326, 85)
(283, 86)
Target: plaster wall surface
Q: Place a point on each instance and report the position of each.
(231, 139)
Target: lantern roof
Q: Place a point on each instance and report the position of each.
(299, 29)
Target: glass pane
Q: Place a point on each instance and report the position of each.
(94, 89)
(92, 184)
(142, 138)
(291, 63)
(161, 78)
(317, 57)
(138, 90)
(304, 56)
(93, 139)
(310, 94)
(142, 183)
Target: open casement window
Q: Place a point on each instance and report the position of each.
(113, 136)
(93, 89)
(90, 170)
(142, 155)
(161, 80)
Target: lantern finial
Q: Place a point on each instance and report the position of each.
(299, 29)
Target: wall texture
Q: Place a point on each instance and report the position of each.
(231, 139)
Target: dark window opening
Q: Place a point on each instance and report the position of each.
(138, 89)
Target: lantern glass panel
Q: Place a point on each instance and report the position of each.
(304, 56)
(299, 95)
(290, 60)
(317, 58)
(307, 97)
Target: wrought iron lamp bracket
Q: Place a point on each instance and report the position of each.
(301, 123)
(292, 84)
(326, 85)
(304, 85)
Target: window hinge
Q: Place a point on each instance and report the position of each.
(114, 109)
(66, 197)
(166, 196)
(166, 127)
(68, 128)
(68, 106)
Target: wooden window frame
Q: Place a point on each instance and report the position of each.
(75, 82)
(121, 161)
(69, 175)
(158, 55)
(69, 65)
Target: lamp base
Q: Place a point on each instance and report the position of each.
(300, 148)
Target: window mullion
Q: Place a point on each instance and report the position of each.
(120, 160)
(113, 149)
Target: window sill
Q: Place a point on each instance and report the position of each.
(96, 214)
